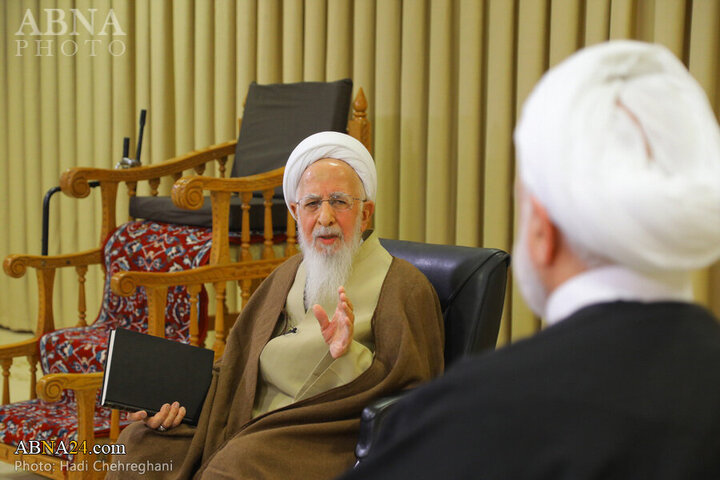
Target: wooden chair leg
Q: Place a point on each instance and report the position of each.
(114, 429)
(6, 363)
(114, 425)
(33, 361)
(220, 324)
(82, 307)
(194, 291)
(86, 433)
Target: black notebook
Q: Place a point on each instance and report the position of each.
(143, 372)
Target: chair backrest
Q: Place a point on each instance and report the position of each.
(278, 116)
(470, 283)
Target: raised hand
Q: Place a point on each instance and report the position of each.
(337, 332)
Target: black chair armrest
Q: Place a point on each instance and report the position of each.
(371, 423)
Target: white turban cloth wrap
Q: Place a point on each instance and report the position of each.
(620, 145)
(335, 145)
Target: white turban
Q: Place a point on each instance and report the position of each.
(621, 146)
(335, 145)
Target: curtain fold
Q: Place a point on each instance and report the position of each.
(14, 164)
(412, 195)
(470, 115)
(4, 152)
(292, 47)
(269, 57)
(339, 39)
(386, 102)
(364, 49)
(439, 203)
(315, 42)
(532, 60)
(445, 82)
(246, 49)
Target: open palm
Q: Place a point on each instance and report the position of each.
(338, 331)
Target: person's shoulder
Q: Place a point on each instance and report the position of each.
(289, 266)
(283, 273)
(407, 282)
(406, 271)
(564, 348)
(522, 359)
(292, 262)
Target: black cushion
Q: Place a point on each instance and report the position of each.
(162, 209)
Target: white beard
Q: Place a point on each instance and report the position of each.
(527, 278)
(327, 270)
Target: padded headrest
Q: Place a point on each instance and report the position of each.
(470, 283)
(278, 116)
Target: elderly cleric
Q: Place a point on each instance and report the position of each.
(323, 335)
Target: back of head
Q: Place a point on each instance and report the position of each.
(621, 146)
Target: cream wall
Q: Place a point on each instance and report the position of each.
(445, 80)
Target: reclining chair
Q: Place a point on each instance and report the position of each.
(211, 246)
(470, 283)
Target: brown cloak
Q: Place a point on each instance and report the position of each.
(310, 439)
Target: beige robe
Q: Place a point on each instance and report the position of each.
(297, 364)
(314, 437)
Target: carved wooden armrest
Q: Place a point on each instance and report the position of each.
(187, 192)
(85, 386)
(51, 386)
(74, 182)
(156, 285)
(26, 348)
(125, 283)
(16, 265)
(19, 349)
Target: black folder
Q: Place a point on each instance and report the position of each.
(143, 372)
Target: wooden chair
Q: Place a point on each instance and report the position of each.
(187, 192)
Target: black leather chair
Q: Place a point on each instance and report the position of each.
(470, 283)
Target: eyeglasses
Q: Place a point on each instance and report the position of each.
(339, 202)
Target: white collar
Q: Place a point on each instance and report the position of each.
(612, 283)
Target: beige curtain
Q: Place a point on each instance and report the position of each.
(445, 81)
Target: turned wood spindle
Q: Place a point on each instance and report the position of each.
(194, 292)
(246, 291)
(131, 188)
(82, 307)
(132, 192)
(33, 361)
(220, 319)
(6, 364)
(154, 184)
(268, 230)
(245, 234)
(114, 427)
